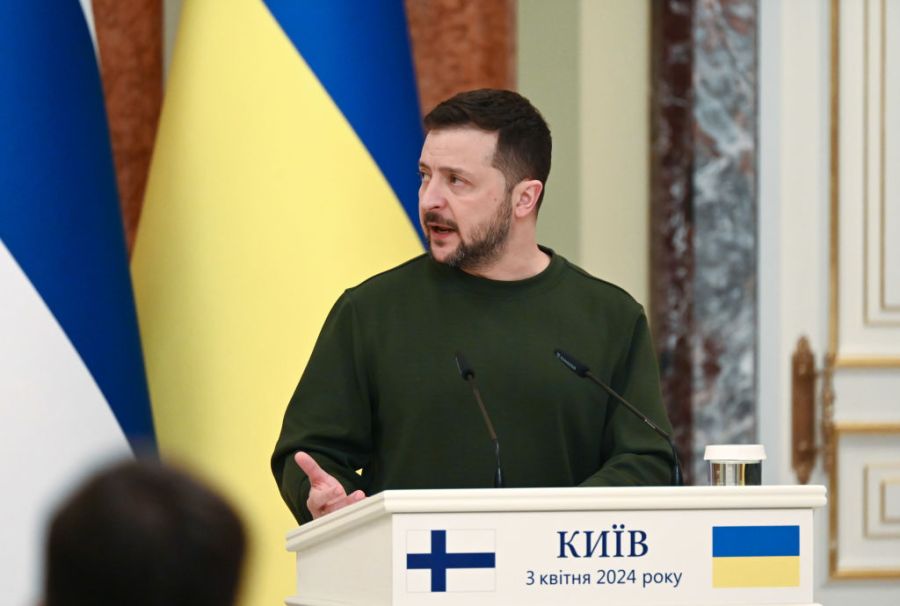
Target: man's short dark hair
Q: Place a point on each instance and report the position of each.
(143, 534)
(524, 144)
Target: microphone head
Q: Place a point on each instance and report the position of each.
(465, 371)
(571, 363)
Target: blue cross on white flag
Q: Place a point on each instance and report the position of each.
(450, 560)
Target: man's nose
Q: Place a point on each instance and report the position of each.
(431, 195)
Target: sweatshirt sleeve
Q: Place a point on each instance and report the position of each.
(329, 415)
(633, 454)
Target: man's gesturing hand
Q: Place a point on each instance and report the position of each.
(326, 494)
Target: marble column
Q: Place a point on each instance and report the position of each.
(704, 220)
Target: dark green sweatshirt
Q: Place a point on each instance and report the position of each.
(382, 391)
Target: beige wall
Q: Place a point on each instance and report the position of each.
(585, 64)
(171, 12)
(548, 74)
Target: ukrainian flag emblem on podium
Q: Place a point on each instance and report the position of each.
(755, 556)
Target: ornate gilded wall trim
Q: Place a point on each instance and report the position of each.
(840, 430)
(834, 180)
(856, 360)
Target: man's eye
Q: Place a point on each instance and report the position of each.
(454, 180)
(423, 176)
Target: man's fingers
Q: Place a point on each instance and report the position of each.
(344, 501)
(317, 475)
(326, 494)
(323, 496)
(325, 501)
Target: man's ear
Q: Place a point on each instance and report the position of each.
(525, 196)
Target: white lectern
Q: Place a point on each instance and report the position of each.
(690, 545)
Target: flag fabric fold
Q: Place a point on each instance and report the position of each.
(73, 391)
(268, 195)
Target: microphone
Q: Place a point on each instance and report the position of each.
(468, 375)
(585, 373)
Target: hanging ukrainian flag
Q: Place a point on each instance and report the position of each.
(285, 170)
(72, 387)
(756, 556)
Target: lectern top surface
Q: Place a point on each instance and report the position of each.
(392, 502)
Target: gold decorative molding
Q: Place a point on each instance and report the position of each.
(832, 432)
(867, 362)
(865, 573)
(847, 361)
(883, 151)
(867, 131)
(842, 427)
(883, 505)
(868, 472)
(834, 180)
(835, 572)
(866, 126)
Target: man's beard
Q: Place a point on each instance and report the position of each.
(486, 243)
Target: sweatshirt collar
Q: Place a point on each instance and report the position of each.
(457, 278)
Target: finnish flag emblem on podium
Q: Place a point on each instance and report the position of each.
(450, 560)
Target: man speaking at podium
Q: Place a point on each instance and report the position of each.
(382, 392)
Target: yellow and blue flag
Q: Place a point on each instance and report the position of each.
(285, 170)
(73, 393)
(756, 556)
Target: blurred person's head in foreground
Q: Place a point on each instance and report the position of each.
(143, 534)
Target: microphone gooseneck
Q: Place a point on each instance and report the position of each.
(584, 372)
(468, 375)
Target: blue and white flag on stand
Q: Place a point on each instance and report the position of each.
(439, 561)
(73, 392)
